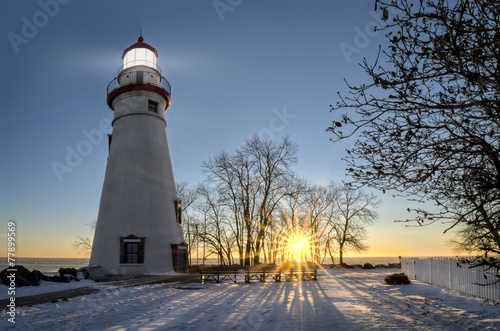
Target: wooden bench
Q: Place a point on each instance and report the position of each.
(262, 271)
(218, 273)
(302, 273)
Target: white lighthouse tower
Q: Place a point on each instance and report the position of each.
(138, 228)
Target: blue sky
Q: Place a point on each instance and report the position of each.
(237, 68)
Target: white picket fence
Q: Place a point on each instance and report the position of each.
(451, 273)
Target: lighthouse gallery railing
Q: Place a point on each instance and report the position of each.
(138, 78)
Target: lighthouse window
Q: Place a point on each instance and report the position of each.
(178, 211)
(131, 250)
(153, 106)
(110, 136)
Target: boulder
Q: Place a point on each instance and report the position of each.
(64, 278)
(60, 279)
(395, 265)
(341, 265)
(368, 266)
(381, 266)
(94, 272)
(68, 271)
(40, 276)
(83, 273)
(345, 265)
(23, 277)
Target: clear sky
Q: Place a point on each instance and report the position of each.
(237, 68)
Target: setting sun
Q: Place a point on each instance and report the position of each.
(297, 247)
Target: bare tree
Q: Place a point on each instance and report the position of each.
(233, 175)
(83, 245)
(272, 176)
(471, 239)
(251, 181)
(355, 210)
(291, 216)
(429, 118)
(317, 204)
(188, 197)
(216, 232)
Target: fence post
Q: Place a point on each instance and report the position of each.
(430, 269)
(477, 288)
(450, 274)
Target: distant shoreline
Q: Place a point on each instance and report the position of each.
(49, 265)
(336, 257)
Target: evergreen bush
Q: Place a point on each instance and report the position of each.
(397, 279)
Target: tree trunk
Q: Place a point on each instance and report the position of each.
(248, 249)
(260, 243)
(239, 237)
(228, 253)
(248, 224)
(330, 253)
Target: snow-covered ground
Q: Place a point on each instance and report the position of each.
(339, 300)
(44, 287)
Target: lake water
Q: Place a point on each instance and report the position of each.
(363, 260)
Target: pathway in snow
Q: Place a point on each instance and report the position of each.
(340, 300)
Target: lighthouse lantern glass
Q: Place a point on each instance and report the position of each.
(139, 57)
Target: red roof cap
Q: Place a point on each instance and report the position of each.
(140, 44)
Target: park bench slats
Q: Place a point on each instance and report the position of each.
(261, 272)
(302, 273)
(218, 273)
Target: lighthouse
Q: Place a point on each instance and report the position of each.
(139, 224)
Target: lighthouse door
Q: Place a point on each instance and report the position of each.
(180, 257)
